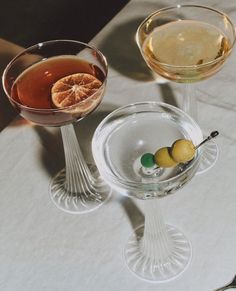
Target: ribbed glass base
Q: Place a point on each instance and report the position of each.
(78, 188)
(163, 258)
(90, 199)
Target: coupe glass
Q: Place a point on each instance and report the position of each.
(187, 44)
(155, 251)
(78, 188)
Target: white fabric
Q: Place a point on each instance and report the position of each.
(43, 248)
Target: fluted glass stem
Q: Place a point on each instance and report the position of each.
(156, 243)
(78, 176)
(156, 251)
(210, 152)
(189, 101)
(78, 188)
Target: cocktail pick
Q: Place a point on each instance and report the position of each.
(148, 159)
(212, 135)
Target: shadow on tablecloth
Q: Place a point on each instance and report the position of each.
(123, 55)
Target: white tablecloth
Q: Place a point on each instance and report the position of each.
(43, 248)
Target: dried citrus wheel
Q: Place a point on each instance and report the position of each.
(73, 89)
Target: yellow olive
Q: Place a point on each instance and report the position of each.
(163, 158)
(182, 150)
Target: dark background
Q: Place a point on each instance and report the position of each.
(26, 22)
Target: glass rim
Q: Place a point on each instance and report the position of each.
(179, 6)
(49, 110)
(136, 185)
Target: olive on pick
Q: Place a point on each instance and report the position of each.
(182, 150)
(163, 158)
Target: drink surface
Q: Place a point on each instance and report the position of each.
(185, 43)
(126, 134)
(127, 140)
(33, 87)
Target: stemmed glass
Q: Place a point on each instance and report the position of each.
(78, 188)
(187, 44)
(155, 251)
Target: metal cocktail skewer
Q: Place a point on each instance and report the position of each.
(155, 169)
(212, 135)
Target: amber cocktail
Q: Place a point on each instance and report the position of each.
(57, 83)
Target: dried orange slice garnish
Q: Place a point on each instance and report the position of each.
(73, 89)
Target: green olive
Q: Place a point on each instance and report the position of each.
(147, 160)
(182, 150)
(163, 158)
